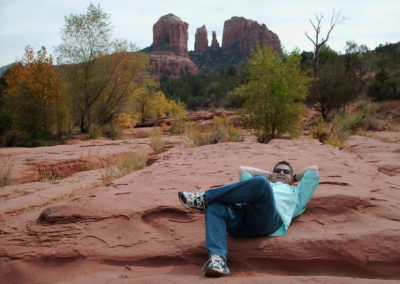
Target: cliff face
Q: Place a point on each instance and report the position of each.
(169, 52)
(248, 34)
(201, 39)
(172, 32)
(214, 43)
(172, 64)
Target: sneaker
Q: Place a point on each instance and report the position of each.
(216, 266)
(192, 200)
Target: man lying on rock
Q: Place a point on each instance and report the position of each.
(261, 204)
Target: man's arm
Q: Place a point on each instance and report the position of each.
(307, 186)
(298, 176)
(254, 172)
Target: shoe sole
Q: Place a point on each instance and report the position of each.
(181, 197)
(214, 273)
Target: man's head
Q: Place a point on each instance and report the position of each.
(282, 172)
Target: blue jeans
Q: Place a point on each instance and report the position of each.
(244, 209)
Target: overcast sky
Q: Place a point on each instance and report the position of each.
(38, 22)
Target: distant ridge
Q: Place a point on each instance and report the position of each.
(4, 68)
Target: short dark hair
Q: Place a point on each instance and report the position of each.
(284, 163)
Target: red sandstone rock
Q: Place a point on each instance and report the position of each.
(79, 231)
(248, 34)
(214, 43)
(172, 32)
(136, 227)
(201, 39)
(169, 62)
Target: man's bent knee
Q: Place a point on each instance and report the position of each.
(216, 208)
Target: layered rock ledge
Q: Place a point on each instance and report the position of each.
(137, 229)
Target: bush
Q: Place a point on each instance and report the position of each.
(384, 87)
(121, 166)
(179, 125)
(274, 93)
(131, 162)
(155, 140)
(345, 124)
(326, 133)
(6, 168)
(94, 131)
(14, 138)
(359, 119)
(124, 120)
(233, 100)
(220, 130)
(112, 131)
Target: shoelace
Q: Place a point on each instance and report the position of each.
(205, 265)
(218, 260)
(197, 201)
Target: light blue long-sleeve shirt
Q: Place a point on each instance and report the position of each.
(291, 201)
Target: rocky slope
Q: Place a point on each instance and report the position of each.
(136, 228)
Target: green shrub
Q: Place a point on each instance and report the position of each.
(359, 119)
(233, 100)
(274, 93)
(384, 87)
(94, 131)
(346, 124)
(112, 131)
(14, 138)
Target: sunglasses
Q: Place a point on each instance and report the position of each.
(285, 171)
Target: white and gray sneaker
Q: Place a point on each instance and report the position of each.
(216, 266)
(192, 200)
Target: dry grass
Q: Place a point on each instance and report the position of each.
(90, 160)
(48, 174)
(123, 165)
(220, 130)
(326, 133)
(156, 141)
(6, 169)
(357, 120)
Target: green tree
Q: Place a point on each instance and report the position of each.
(386, 84)
(5, 117)
(355, 63)
(383, 87)
(101, 73)
(334, 87)
(275, 91)
(33, 91)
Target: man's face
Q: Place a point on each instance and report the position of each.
(281, 176)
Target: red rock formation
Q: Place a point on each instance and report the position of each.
(214, 43)
(172, 32)
(248, 33)
(169, 62)
(201, 39)
(136, 228)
